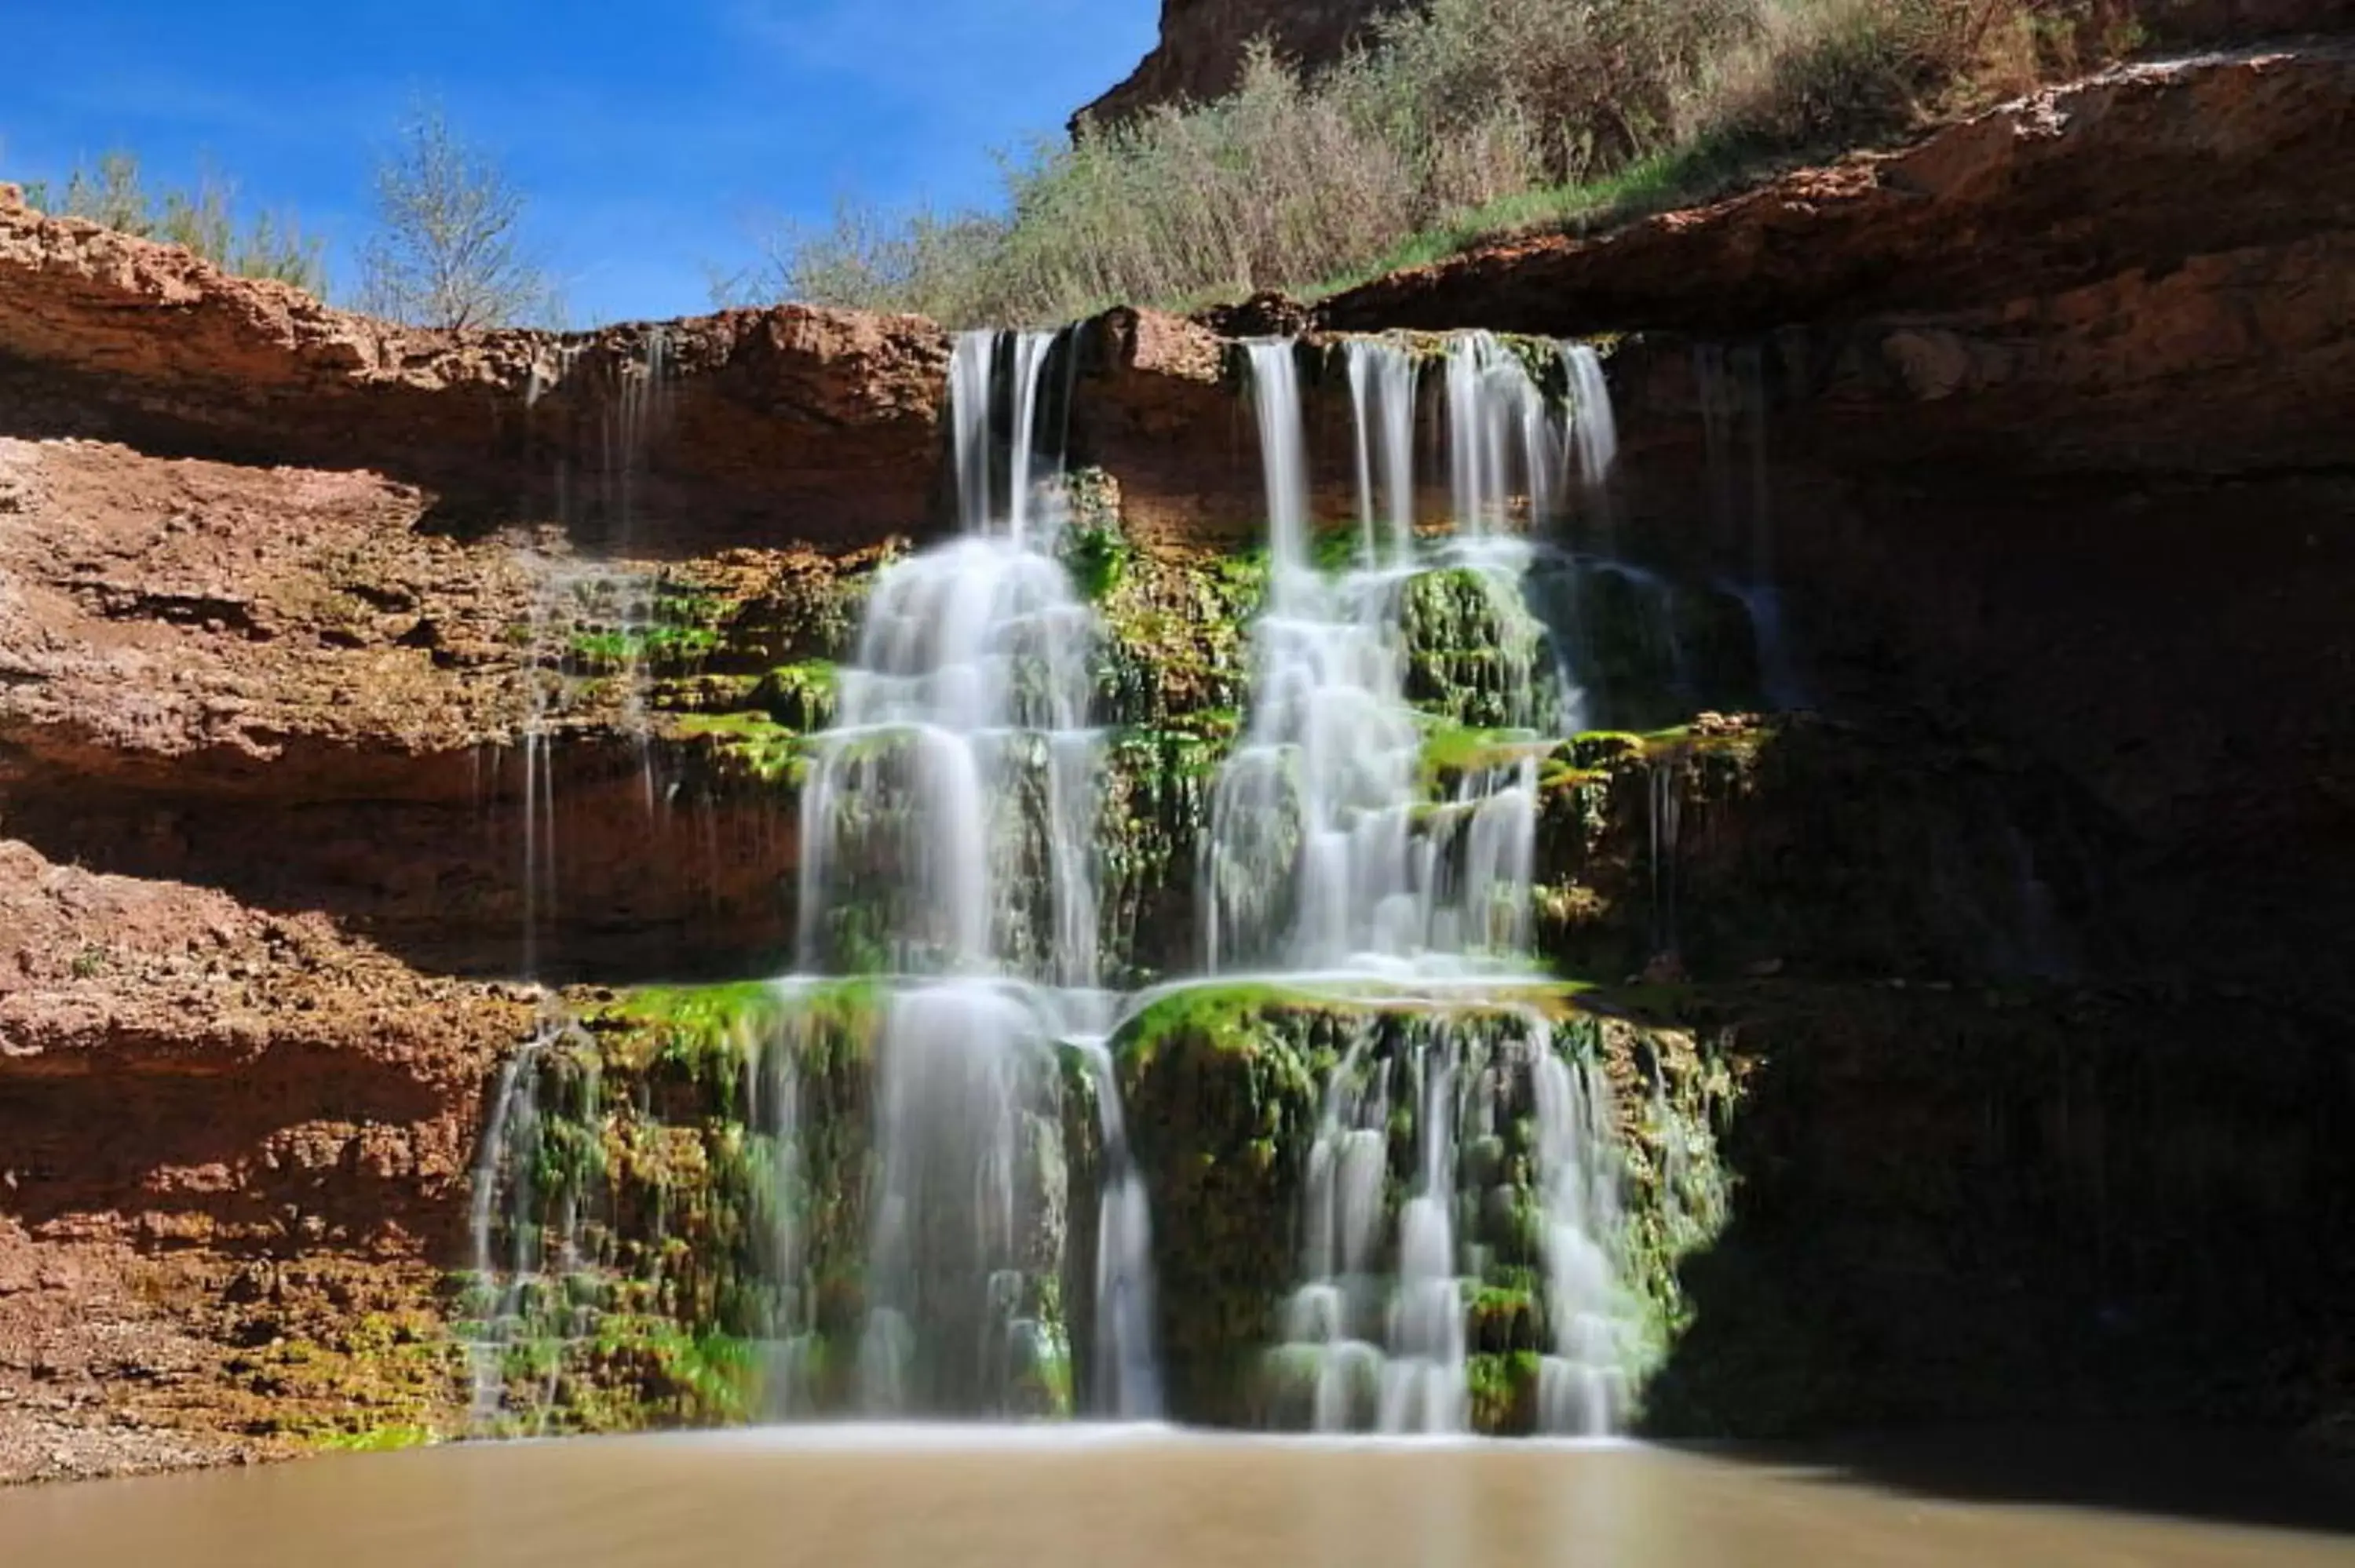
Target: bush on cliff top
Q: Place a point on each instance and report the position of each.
(1468, 118)
(205, 219)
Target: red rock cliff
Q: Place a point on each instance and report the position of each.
(1200, 54)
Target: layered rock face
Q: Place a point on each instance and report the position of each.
(381, 713)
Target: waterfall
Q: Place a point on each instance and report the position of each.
(948, 828)
(1323, 852)
(1582, 1388)
(949, 870)
(1382, 377)
(1501, 438)
(1330, 855)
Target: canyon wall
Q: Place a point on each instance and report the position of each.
(371, 700)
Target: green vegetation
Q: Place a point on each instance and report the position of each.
(641, 644)
(753, 743)
(1466, 119)
(388, 1439)
(205, 220)
(1096, 557)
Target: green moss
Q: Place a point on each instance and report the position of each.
(1177, 639)
(390, 1438)
(1499, 1319)
(1097, 557)
(798, 696)
(1475, 652)
(636, 645)
(1504, 1392)
(1604, 749)
(753, 743)
(1450, 750)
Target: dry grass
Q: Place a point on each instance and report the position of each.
(1472, 118)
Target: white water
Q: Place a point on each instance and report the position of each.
(1423, 1383)
(1583, 1387)
(1504, 446)
(951, 816)
(1322, 853)
(1326, 857)
(1382, 380)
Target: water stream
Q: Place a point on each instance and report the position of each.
(949, 827)
(1329, 854)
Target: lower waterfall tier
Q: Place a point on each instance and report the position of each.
(680, 1226)
(1840, 1204)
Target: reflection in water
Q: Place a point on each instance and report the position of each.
(1127, 1498)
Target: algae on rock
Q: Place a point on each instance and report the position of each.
(1225, 1084)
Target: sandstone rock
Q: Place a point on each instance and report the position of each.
(1200, 53)
(756, 425)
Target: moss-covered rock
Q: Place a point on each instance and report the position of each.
(661, 1158)
(1475, 653)
(680, 1225)
(1226, 1086)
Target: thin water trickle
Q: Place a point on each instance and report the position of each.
(1733, 390)
(1664, 824)
(523, 1258)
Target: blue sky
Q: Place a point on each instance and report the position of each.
(653, 138)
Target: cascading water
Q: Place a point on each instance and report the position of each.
(948, 826)
(1327, 858)
(1322, 854)
(1371, 837)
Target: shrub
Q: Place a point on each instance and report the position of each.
(1462, 116)
(203, 220)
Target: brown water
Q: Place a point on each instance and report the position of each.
(1126, 1500)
